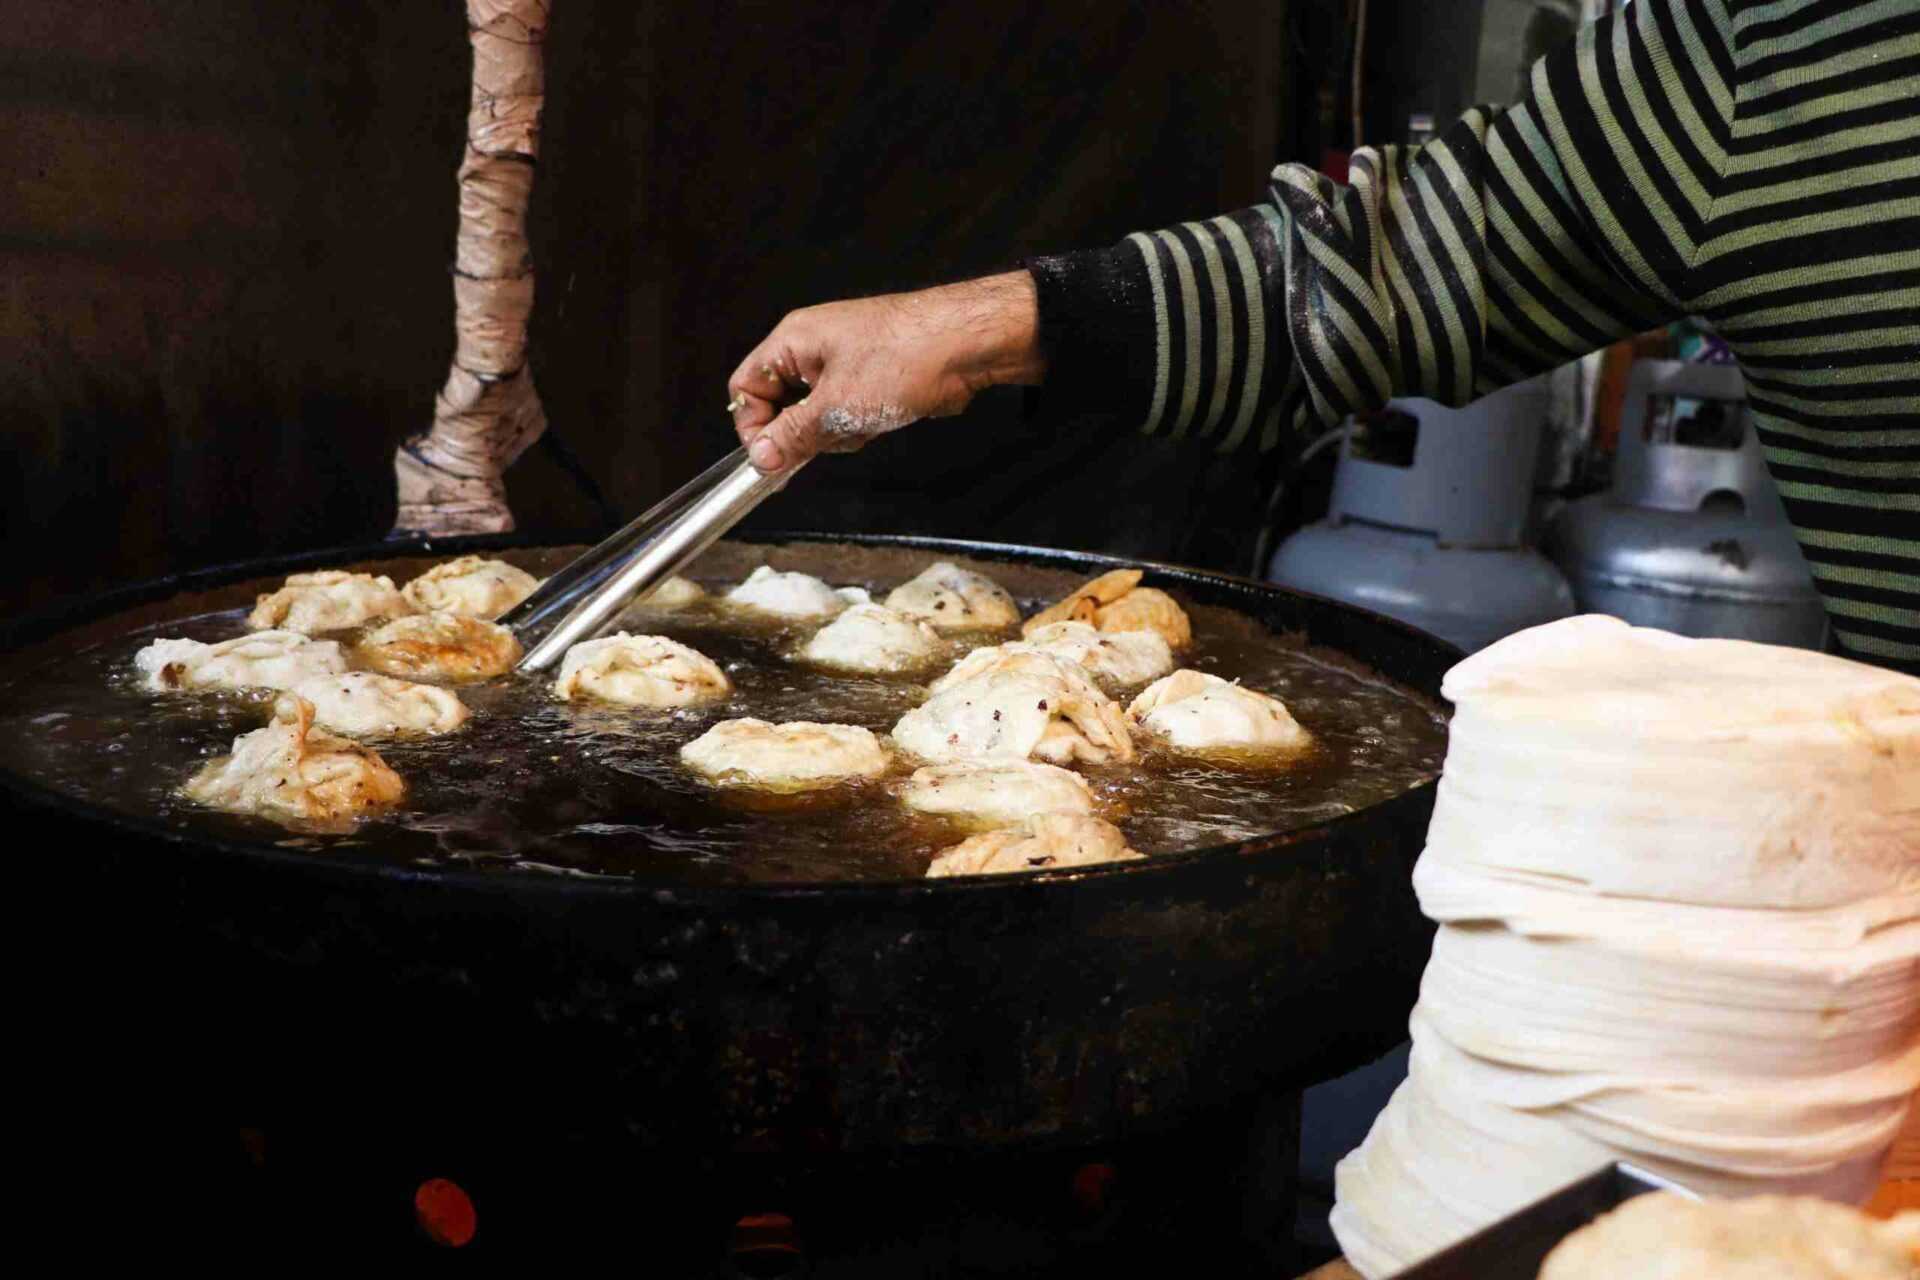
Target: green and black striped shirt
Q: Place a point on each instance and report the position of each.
(1754, 164)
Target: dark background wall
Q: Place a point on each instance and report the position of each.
(224, 248)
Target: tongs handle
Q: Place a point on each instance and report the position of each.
(660, 554)
(588, 570)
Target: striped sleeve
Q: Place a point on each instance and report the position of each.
(1810, 269)
(1507, 246)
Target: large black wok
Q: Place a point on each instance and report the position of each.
(1073, 1007)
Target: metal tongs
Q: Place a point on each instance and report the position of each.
(630, 564)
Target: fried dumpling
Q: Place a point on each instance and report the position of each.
(1116, 601)
(640, 671)
(797, 756)
(1018, 715)
(1193, 711)
(1118, 657)
(263, 660)
(1044, 841)
(675, 593)
(1017, 658)
(440, 646)
(294, 773)
(329, 600)
(470, 586)
(954, 599)
(993, 795)
(1664, 1236)
(1147, 609)
(872, 637)
(361, 704)
(793, 595)
(671, 596)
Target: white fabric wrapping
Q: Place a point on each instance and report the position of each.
(1678, 885)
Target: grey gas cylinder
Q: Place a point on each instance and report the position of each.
(1692, 537)
(1427, 521)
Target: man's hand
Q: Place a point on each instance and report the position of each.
(832, 377)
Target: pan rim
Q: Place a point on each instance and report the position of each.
(49, 621)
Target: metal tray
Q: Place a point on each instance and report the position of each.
(1514, 1247)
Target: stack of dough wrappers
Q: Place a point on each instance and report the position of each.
(1678, 889)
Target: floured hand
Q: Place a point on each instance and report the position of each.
(832, 377)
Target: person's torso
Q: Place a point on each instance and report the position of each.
(1810, 269)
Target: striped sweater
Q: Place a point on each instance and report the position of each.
(1753, 163)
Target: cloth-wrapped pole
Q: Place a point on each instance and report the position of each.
(487, 413)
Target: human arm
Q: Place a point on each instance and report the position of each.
(831, 377)
(1510, 244)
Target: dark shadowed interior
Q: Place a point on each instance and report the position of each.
(226, 293)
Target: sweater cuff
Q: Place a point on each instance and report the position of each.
(1096, 331)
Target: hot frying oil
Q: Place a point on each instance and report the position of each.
(542, 786)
